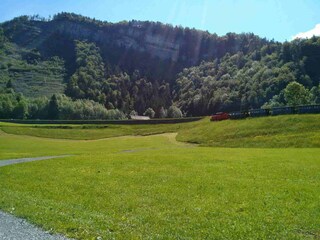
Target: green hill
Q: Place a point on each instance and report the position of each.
(274, 131)
(139, 65)
(297, 131)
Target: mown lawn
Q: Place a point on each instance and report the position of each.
(155, 188)
(15, 146)
(88, 132)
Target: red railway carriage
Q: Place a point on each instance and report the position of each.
(219, 116)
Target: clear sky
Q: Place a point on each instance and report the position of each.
(274, 19)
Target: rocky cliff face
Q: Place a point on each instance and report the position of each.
(153, 48)
(162, 47)
(137, 37)
(134, 37)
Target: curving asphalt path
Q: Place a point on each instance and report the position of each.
(22, 160)
(13, 228)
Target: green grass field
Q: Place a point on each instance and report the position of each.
(87, 132)
(275, 132)
(153, 187)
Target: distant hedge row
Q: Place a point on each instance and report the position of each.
(126, 122)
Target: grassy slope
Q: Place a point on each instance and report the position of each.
(88, 132)
(277, 131)
(15, 146)
(274, 132)
(163, 190)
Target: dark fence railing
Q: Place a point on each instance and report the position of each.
(305, 109)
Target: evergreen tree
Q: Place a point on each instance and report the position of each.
(9, 84)
(21, 109)
(53, 108)
(2, 38)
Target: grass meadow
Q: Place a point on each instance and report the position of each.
(154, 187)
(298, 131)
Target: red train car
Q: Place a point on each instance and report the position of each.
(220, 116)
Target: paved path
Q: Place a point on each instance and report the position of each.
(22, 160)
(13, 228)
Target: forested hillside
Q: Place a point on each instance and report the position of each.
(145, 68)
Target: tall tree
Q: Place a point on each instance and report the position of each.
(9, 84)
(296, 94)
(53, 108)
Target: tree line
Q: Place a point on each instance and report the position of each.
(246, 81)
(15, 106)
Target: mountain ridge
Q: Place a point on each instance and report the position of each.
(181, 47)
(139, 65)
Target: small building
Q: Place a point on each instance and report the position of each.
(134, 117)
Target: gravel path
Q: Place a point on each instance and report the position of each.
(22, 160)
(12, 228)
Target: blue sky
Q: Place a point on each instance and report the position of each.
(274, 19)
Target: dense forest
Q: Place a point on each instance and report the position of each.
(74, 67)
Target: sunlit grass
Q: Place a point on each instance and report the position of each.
(15, 146)
(150, 187)
(88, 132)
(274, 132)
